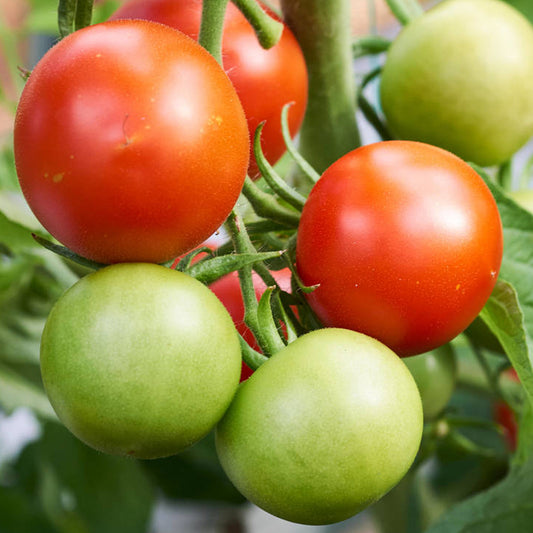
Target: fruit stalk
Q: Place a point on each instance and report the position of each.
(323, 30)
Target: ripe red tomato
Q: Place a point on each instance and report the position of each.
(130, 142)
(228, 291)
(405, 241)
(265, 80)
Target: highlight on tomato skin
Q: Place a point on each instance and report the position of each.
(405, 242)
(265, 80)
(130, 142)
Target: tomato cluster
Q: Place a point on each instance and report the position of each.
(132, 146)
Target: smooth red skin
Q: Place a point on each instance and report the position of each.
(265, 80)
(130, 142)
(405, 240)
(228, 291)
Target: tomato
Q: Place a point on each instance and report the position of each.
(405, 242)
(435, 376)
(323, 428)
(460, 77)
(140, 360)
(130, 142)
(265, 80)
(228, 291)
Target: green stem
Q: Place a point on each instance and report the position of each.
(265, 206)
(324, 33)
(267, 30)
(212, 27)
(84, 14)
(405, 10)
(242, 244)
(66, 13)
(370, 45)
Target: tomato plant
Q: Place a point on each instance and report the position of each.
(435, 375)
(130, 142)
(404, 241)
(228, 291)
(265, 80)
(139, 360)
(308, 435)
(460, 77)
(132, 145)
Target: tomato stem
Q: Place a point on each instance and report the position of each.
(267, 30)
(265, 206)
(242, 244)
(369, 45)
(323, 30)
(84, 14)
(212, 27)
(66, 13)
(276, 182)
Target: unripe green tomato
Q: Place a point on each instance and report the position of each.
(140, 360)
(323, 429)
(435, 375)
(461, 77)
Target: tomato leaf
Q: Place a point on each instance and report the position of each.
(517, 264)
(16, 391)
(210, 270)
(305, 167)
(506, 506)
(503, 316)
(266, 321)
(63, 251)
(81, 490)
(274, 180)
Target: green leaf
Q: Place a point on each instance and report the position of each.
(194, 474)
(503, 315)
(265, 320)
(524, 6)
(65, 252)
(517, 264)
(16, 391)
(19, 514)
(507, 506)
(81, 490)
(210, 270)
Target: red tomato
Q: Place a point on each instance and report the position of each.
(228, 291)
(405, 241)
(130, 142)
(265, 80)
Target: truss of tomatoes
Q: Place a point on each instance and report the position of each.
(132, 146)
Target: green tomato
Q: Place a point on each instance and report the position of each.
(435, 375)
(322, 429)
(140, 360)
(460, 77)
